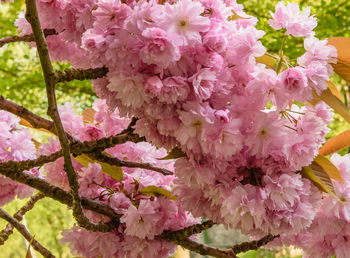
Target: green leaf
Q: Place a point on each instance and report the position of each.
(319, 178)
(174, 154)
(111, 170)
(156, 191)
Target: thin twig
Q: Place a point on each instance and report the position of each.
(252, 245)
(186, 232)
(216, 252)
(203, 249)
(23, 230)
(130, 164)
(25, 38)
(5, 233)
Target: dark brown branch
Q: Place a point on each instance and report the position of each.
(80, 74)
(186, 232)
(23, 230)
(253, 245)
(25, 38)
(33, 119)
(130, 128)
(58, 194)
(77, 148)
(40, 122)
(180, 237)
(32, 17)
(130, 164)
(5, 233)
(28, 206)
(203, 249)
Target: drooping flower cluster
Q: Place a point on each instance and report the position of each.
(15, 144)
(187, 70)
(329, 233)
(144, 215)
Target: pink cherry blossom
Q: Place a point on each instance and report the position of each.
(289, 17)
(184, 18)
(161, 49)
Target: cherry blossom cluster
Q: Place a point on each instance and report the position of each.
(188, 70)
(329, 232)
(143, 216)
(15, 144)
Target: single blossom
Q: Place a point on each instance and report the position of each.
(185, 19)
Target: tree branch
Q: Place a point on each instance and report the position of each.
(130, 164)
(253, 245)
(77, 148)
(23, 230)
(5, 233)
(36, 121)
(25, 38)
(58, 194)
(216, 252)
(186, 232)
(42, 123)
(203, 249)
(79, 74)
(50, 81)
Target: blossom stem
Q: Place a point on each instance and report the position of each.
(280, 61)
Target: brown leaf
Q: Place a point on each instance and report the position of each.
(342, 67)
(235, 16)
(319, 178)
(335, 144)
(331, 100)
(29, 254)
(328, 167)
(334, 90)
(266, 59)
(88, 115)
(29, 125)
(174, 154)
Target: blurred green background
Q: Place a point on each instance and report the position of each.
(22, 82)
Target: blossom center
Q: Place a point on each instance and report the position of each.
(197, 124)
(183, 23)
